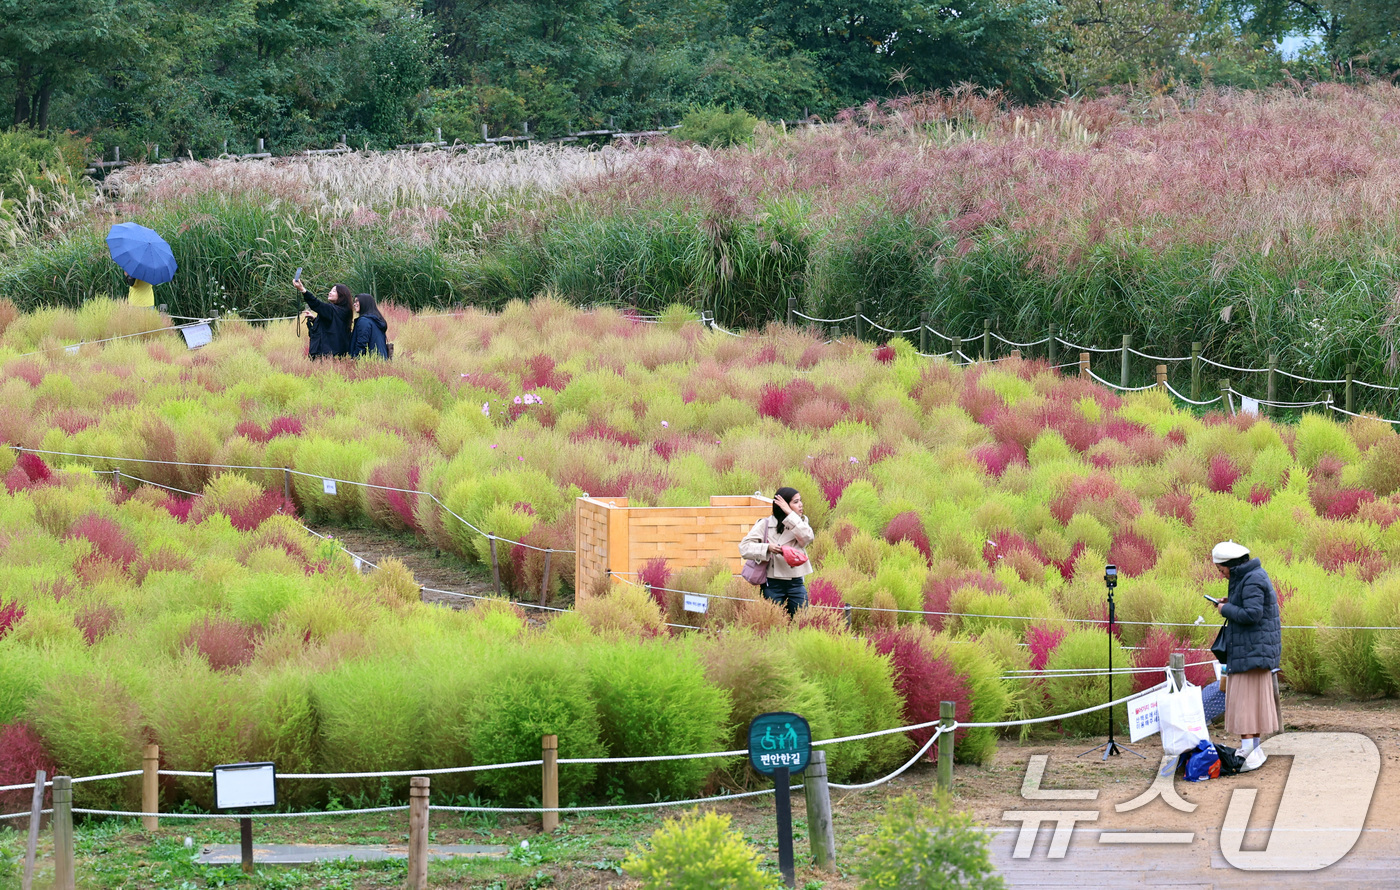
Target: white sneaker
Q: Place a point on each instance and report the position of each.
(1254, 760)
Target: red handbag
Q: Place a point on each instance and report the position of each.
(794, 556)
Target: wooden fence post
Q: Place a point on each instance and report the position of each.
(957, 351)
(1273, 382)
(287, 484)
(1123, 375)
(418, 791)
(1016, 354)
(946, 711)
(544, 585)
(63, 878)
(1054, 344)
(1083, 364)
(860, 321)
(116, 154)
(1176, 663)
(1162, 377)
(260, 145)
(1196, 371)
(495, 566)
(986, 339)
(1351, 376)
(150, 787)
(1225, 396)
(819, 827)
(923, 332)
(792, 312)
(550, 797)
(36, 815)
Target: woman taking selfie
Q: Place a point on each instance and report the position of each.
(786, 530)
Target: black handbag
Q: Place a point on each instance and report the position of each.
(1218, 648)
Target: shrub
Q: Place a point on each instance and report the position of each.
(694, 852)
(95, 620)
(92, 725)
(1157, 648)
(906, 526)
(991, 698)
(1086, 650)
(652, 699)
(923, 682)
(656, 576)
(21, 755)
(849, 671)
(226, 644)
(109, 543)
(927, 848)
(367, 714)
(529, 692)
(624, 611)
(717, 128)
(1222, 474)
(1320, 437)
(1380, 471)
(11, 613)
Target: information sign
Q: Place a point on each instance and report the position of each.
(779, 739)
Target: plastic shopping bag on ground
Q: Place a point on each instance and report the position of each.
(1201, 764)
(1183, 719)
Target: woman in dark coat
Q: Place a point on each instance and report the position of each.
(371, 330)
(1253, 645)
(328, 333)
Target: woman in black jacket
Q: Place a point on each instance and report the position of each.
(1253, 647)
(371, 330)
(328, 333)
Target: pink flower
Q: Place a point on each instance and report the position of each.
(522, 457)
(854, 461)
(665, 425)
(517, 400)
(486, 409)
(493, 446)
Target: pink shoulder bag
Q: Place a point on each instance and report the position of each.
(755, 572)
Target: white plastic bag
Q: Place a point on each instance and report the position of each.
(1183, 719)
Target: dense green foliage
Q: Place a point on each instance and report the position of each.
(920, 847)
(187, 74)
(695, 852)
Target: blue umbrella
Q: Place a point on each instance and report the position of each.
(141, 253)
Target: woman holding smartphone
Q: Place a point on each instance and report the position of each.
(327, 321)
(787, 527)
(1253, 648)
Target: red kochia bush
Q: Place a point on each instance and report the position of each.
(907, 527)
(884, 354)
(939, 588)
(22, 754)
(259, 510)
(1156, 651)
(1339, 503)
(655, 574)
(29, 470)
(1223, 474)
(108, 541)
(225, 643)
(95, 620)
(996, 458)
(10, 615)
(1177, 505)
(598, 429)
(922, 682)
(1110, 502)
(823, 593)
(539, 373)
(1042, 641)
(1132, 554)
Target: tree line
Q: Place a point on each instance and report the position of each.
(189, 74)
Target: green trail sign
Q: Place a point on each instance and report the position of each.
(779, 739)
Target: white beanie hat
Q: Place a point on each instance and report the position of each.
(1228, 550)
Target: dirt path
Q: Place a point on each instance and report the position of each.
(431, 568)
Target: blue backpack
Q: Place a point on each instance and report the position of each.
(1200, 764)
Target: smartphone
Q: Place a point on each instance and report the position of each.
(1211, 598)
(298, 275)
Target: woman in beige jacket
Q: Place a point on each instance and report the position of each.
(786, 527)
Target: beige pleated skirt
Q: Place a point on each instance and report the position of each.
(1250, 706)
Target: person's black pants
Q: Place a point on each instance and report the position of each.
(791, 593)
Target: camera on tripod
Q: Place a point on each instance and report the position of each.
(1110, 576)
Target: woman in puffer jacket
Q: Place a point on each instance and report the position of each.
(765, 541)
(371, 330)
(1253, 646)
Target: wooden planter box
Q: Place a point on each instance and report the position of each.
(613, 537)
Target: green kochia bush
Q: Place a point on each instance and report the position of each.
(859, 685)
(653, 699)
(694, 852)
(92, 724)
(367, 712)
(917, 847)
(1086, 650)
(525, 693)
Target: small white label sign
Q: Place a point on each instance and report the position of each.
(695, 603)
(72, 350)
(197, 335)
(359, 565)
(328, 486)
(1143, 719)
(241, 785)
(1249, 406)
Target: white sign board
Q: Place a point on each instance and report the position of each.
(242, 785)
(1249, 406)
(328, 486)
(1143, 719)
(72, 350)
(197, 335)
(694, 603)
